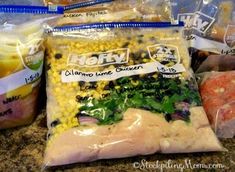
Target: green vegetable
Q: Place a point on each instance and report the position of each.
(156, 95)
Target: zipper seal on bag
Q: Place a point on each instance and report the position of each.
(117, 25)
(51, 9)
(85, 4)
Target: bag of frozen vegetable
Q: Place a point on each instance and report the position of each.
(118, 10)
(122, 89)
(217, 88)
(213, 30)
(21, 61)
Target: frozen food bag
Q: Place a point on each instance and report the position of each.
(213, 30)
(21, 61)
(218, 95)
(118, 10)
(122, 89)
(183, 10)
(217, 63)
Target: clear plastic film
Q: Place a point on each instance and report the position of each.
(64, 2)
(119, 90)
(21, 61)
(217, 90)
(119, 10)
(213, 30)
(184, 11)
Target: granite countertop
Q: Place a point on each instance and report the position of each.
(21, 149)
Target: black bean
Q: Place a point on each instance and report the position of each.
(81, 83)
(78, 98)
(140, 36)
(111, 85)
(58, 56)
(49, 136)
(168, 117)
(140, 41)
(93, 85)
(106, 87)
(125, 45)
(48, 66)
(55, 123)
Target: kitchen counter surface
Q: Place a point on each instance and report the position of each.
(21, 149)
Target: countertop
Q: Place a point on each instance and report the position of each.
(22, 148)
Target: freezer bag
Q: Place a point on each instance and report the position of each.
(21, 61)
(118, 10)
(218, 95)
(182, 10)
(213, 30)
(217, 63)
(122, 89)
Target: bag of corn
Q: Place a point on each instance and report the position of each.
(122, 89)
(21, 61)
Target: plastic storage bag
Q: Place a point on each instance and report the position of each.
(21, 61)
(217, 87)
(118, 10)
(122, 89)
(213, 30)
(182, 10)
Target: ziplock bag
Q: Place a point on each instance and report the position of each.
(118, 10)
(183, 10)
(122, 89)
(213, 30)
(21, 61)
(218, 95)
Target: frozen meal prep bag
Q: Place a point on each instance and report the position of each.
(118, 10)
(21, 62)
(213, 30)
(216, 78)
(122, 89)
(218, 96)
